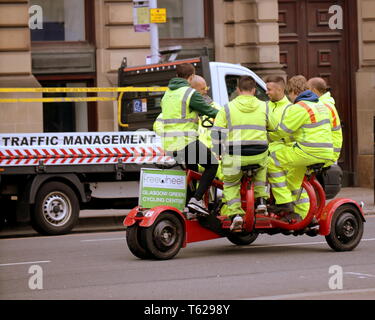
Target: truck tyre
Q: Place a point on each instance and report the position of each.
(243, 238)
(56, 209)
(346, 228)
(164, 238)
(136, 241)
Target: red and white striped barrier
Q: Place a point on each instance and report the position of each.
(24, 156)
(76, 148)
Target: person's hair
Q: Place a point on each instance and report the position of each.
(276, 79)
(318, 84)
(246, 83)
(185, 70)
(297, 84)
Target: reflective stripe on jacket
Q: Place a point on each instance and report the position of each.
(179, 122)
(277, 110)
(337, 137)
(309, 123)
(242, 123)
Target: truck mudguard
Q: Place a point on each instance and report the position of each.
(70, 179)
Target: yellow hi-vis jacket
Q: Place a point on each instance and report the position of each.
(309, 125)
(180, 123)
(204, 132)
(275, 113)
(242, 124)
(337, 138)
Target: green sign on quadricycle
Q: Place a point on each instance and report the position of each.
(162, 188)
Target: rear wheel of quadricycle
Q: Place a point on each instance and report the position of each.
(56, 209)
(164, 238)
(346, 228)
(136, 241)
(243, 238)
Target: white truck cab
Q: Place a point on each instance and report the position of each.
(224, 81)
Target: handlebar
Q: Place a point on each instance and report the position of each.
(210, 123)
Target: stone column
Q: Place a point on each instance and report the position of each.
(115, 39)
(365, 83)
(249, 34)
(15, 69)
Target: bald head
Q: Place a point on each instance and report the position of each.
(317, 85)
(198, 83)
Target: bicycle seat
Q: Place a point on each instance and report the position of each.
(316, 167)
(250, 167)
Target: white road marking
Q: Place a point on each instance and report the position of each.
(105, 239)
(293, 244)
(284, 245)
(21, 263)
(313, 294)
(245, 247)
(361, 275)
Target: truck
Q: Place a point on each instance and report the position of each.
(47, 178)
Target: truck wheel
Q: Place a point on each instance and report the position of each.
(164, 238)
(136, 241)
(56, 209)
(243, 238)
(346, 229)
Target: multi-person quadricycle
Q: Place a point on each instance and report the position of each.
(160, 232)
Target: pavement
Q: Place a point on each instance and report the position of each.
(360, 194)
(111, 220)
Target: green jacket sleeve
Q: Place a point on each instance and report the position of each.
(198, 104)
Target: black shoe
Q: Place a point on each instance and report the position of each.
(284, 207)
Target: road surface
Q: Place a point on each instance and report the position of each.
(100, 266)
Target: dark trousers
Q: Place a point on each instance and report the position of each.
(197, 153)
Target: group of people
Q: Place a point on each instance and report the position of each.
(299, 126)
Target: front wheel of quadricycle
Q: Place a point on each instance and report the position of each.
(136, 241)
(346, 228)
(243, 238)
(164, 238)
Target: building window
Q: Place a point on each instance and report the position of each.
(68, 116)
(63, 20)
(186, 19)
